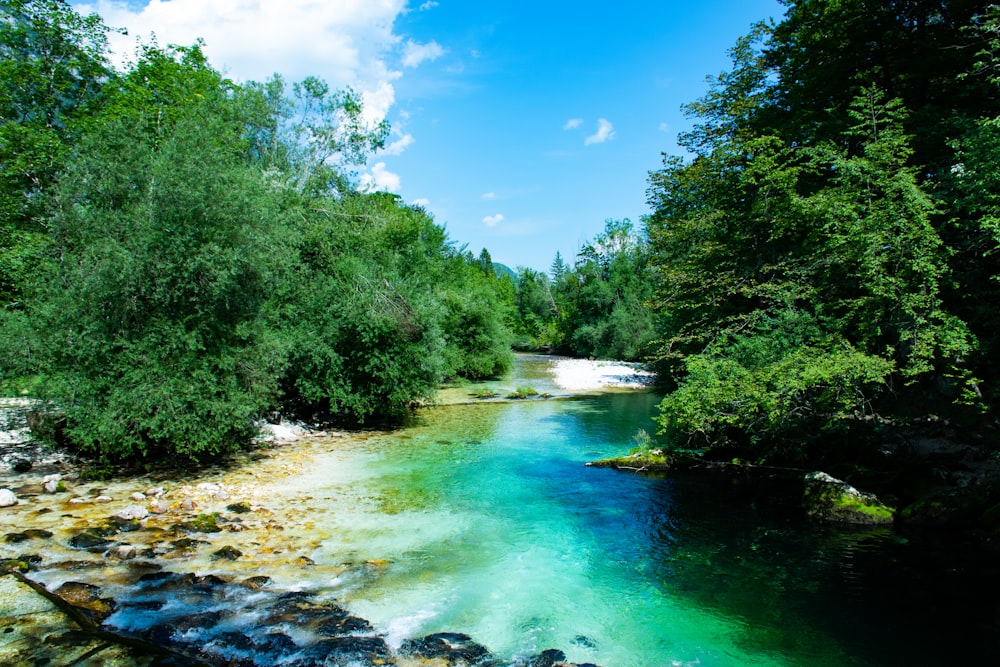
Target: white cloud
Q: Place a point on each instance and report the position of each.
(414, 53)
(605, 132)
(493, 220)
(421, 201)
(397, 147)
(573, 123)
(664, 127)
(345, 42)
(430, 4)
(489, 195)
(380, 179)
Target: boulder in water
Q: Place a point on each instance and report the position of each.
(7, 498)
(827, 498)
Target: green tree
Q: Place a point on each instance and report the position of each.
(53, 69)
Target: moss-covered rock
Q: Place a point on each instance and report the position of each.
(827, 498)
(652, 460)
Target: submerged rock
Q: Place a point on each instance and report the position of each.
(227, 553)
(89, 540)
(87, 597)
(827, 498)
(454, 648)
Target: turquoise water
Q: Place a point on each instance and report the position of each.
(491, 525)
(483, 519)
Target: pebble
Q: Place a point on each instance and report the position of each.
(77, 501)
(189, 505)
(138, 497)
(155, 492)
(156, 507)
(103, 499)
(7, 498)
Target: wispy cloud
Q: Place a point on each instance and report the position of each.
(489, 195)
(573, 123)
(415, 53)
(421, 201)
(380, 179)
(664, 127)
(605, 132)
(430, 4)
(493, 220)
(397, 147)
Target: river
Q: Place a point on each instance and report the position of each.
(481, 518)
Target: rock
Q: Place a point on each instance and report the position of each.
(123, 552)
(189, 505)
(155, 492)
(221, 495)
(349, 650)
(227, 553)
(133, 512)
(77, 501)
(187, 544)
(547, 658)
(256, 583)
(452, 647)
(86, 597)
(7, 498)
(103, 499)
(138, 497)
(203, 523)
(53, 484)
(208, 487)
(89, 541)
(21, 465)
(157, 507)
(829, 499)
(38, 533)
(239, 508)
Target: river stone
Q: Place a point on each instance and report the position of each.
(547, 658)
(123, 552)
(239, 508)
(827, 498)
(21, 465)
(133, 512)
(89, 540)
(7, 498)
(453, 647)
(256, 583)
(138, 497)
(86, 597)
(156, 507)
(227, 553)
(155, 492)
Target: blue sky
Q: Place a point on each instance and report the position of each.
(521, 126)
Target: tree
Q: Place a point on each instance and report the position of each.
(53, 69)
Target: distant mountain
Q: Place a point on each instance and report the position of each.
(503, 270)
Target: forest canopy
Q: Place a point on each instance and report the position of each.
(826, 253)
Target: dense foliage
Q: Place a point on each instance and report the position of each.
(826, 254)
(183, 255)
(595, 308)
